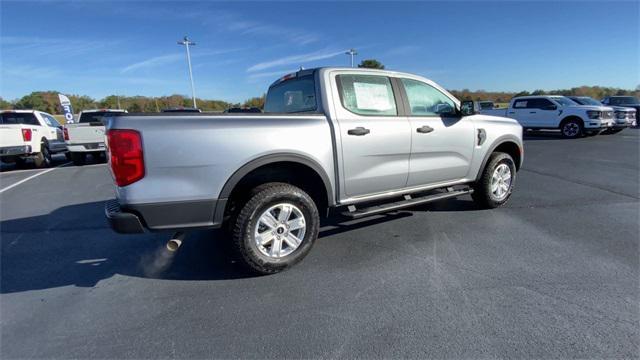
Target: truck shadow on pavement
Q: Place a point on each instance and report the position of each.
(74, 246)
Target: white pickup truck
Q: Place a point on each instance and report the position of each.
(29, 134)
(556, 112)
(87, 135)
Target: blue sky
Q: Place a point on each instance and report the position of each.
(129, 48)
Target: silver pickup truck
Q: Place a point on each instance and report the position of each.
(355, 141)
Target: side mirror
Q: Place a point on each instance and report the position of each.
(468, 108)
(550, 107)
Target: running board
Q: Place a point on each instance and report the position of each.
(408, 201)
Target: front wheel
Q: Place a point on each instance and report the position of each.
(276, 228)
(496, 183)
(571, 129)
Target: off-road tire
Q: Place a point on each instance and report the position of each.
(244, 223)
(482, 194)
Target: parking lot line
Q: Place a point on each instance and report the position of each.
(32, 177)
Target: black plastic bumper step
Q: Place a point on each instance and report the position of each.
(409, 201)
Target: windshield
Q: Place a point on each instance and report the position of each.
(587, 101)
(18, 118)
(292, 96)
(623, 100)
(98, 116)
(564, 101)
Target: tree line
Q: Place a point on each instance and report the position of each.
(596, 92)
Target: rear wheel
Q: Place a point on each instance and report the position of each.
(276, 228)
(43, 158)
(496, 183)
(571, 128)
(78, 158)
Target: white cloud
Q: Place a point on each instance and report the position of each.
(171, 58)
(234, 23)
(295, 59)
(154, 61)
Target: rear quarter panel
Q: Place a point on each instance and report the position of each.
(190, 157)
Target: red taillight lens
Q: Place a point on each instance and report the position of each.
(65, 132)
(26, 134)
(125, 154)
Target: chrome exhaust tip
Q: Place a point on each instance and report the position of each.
(175, 242)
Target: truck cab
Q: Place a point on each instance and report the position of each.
(29, 135)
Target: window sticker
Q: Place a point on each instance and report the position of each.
(520, 104)
(372, 96)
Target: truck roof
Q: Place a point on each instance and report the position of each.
(103, 110)
(19, 111)
(304, 72)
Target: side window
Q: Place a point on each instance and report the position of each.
(543, 103)
(538, 103)
(367, 94)
(427, 100)
(520, 104)
(50, 120)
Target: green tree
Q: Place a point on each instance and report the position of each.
(371, 64)
(5, 105)
(257, 102)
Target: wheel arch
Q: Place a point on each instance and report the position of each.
(571, 117)
(506, 144)
(298, 170)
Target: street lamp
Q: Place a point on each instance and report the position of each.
(186, 42)
(352, 53)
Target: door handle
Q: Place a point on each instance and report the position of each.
(359, 131)
(424, 129)
(532, 112)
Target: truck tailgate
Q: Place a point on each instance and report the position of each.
(85, 133)
(11, 135)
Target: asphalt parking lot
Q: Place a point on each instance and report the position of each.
(552, 275)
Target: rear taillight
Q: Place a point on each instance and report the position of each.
(125, 155)
(65, 132)
(26, 134)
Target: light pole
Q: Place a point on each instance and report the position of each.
(186, 42)
(352, 53)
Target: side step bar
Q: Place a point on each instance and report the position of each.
(408, 201)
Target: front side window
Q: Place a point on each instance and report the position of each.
(367, 94)
(427, 100)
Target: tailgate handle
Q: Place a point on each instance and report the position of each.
(359, 131)
(424, 129)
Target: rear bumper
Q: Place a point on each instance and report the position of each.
(120, 221)
(86, 147)
(15, 150)
(135, 218)
(57, 146)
